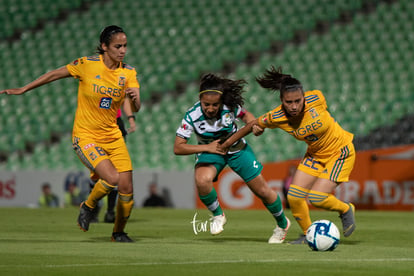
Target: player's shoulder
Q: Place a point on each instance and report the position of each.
(85, 60)
(194, 112)
(277, 114)
(93, 58)
(314, 96)
(128, 67)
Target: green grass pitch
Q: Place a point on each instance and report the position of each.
(49, 242)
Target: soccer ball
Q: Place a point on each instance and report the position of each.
(322, 235)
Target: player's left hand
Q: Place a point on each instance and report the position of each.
(221, 149)
(132, 94)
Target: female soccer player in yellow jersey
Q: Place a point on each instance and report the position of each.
(105, 82)
(330, 156)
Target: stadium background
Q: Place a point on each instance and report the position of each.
(358, 52)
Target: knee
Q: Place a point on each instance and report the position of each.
(204, 184)
(113, 179)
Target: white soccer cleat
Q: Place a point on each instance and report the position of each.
(279, 234)
(217, 223)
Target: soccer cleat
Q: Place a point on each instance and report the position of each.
(95, 215)
(120, 237)
(279, 234)
(300, 240)
(348, 220)
(85, 217)
(217, 223)
(109, 217)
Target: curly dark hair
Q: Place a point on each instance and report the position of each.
(232, 89)
(275, 80)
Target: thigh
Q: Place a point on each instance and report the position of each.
(107, 171)
(119, 155)
(210, 159)
(90, 153)
(324, 185)
(303, 179)
(245, 164)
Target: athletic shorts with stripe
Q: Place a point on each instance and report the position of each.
(337, 168)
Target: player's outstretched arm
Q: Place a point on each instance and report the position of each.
(182, 148)
(50, 76)
(256, 129)
(239, 134)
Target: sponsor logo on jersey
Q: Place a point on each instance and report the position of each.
(105, 103)
(88, 146)
(227, 119)
(98, 77)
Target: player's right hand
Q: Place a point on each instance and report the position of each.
(13, 91)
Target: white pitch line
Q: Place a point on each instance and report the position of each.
(215, 262)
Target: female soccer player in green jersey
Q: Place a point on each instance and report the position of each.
(105, 82)
(329, 158)
(212, 119)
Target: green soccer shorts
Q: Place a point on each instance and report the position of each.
(243, 162)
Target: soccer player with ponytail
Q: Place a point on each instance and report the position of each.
(330, 156)
(213, 119)
(105, 82)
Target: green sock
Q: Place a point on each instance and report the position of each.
(276, 209)
(212, 203)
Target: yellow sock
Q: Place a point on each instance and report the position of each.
(300, 210)
(123, 211)
(327, 201)
(101, 189)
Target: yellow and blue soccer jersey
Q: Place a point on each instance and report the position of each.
(315, 126)
(101, 93)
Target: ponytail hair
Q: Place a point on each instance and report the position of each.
(275, 80)
(106, 37)
(230, 90)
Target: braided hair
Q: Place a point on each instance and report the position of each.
(231, 90)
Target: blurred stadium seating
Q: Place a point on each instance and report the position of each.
(362, 63)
